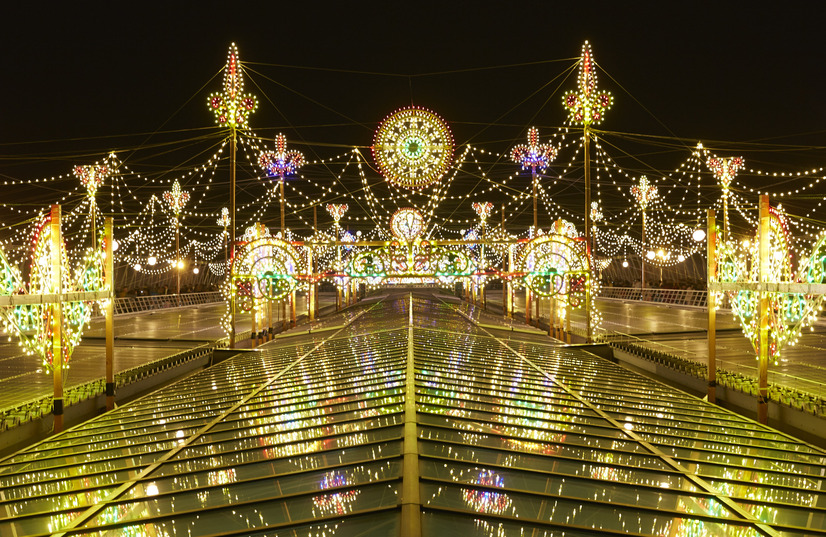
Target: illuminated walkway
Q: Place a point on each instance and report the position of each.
(402, 412)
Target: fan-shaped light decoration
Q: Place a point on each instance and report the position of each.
(644, 192)
(337, 211)
(92, 176)
(533, 155)
(724, 169)
(483, 209)
(407, 224)
(587, 105)
(224, 220)
(232, 107)
(280, 162)
(413, 147)
(176, 198)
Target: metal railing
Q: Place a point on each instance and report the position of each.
(681, 297)
(135, 304)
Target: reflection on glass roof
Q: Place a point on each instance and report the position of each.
(514, 435)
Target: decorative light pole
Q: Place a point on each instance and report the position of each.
(280, 163)
(533, 156)
(644, 193)
(587, 106)
(483, 210)
(92, 178)
(176, 199)
(337, 211)
(724, 169)
(232, 108)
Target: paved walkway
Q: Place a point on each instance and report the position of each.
(146, 337)
(681, 331)
(140, 339)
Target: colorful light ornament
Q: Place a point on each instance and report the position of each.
(724, 170)
(224, 220)
(413, 147)
(788, 313)
(92, 177)
(33, 323)
(232, 107)
(587, 106)
(281, 162)
(533, 155)
(644, 192)
(407, 224)
(483, 209)
(596, 213)
(337, 211)
(176, 198)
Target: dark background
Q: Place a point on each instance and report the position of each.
(85, 78)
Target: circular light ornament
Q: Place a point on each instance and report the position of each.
(406, 224)
(698, 235)
(413, 147)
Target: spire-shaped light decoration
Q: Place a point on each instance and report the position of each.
(280, 162)
(587, 105)
(644, 192)
(534, 155)
(724, 169)
(224, 220)
(337, 211)
(483, 209)
(232, 107)
(92, 176)
(176, 198)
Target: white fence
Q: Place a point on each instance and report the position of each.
(135, 304)
(681, 297)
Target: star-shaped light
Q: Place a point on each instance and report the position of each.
(176, 198)
(534, 155)
(337, 210)
(644, 192)
(224, 219)
(587, 105)
(280, 162)
(483, 209)
(724, 169)
(232, 107)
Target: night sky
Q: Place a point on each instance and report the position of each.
(85, 78)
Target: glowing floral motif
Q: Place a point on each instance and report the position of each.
(587, 106)
(534, 155)
(644, 192)
(232, 107)
(483, 209)
(176, 198)
(280, 162)
(724, 169)
(92, 177)
(413, 147)
(224, 219)
(407, 224)
(337, 211)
